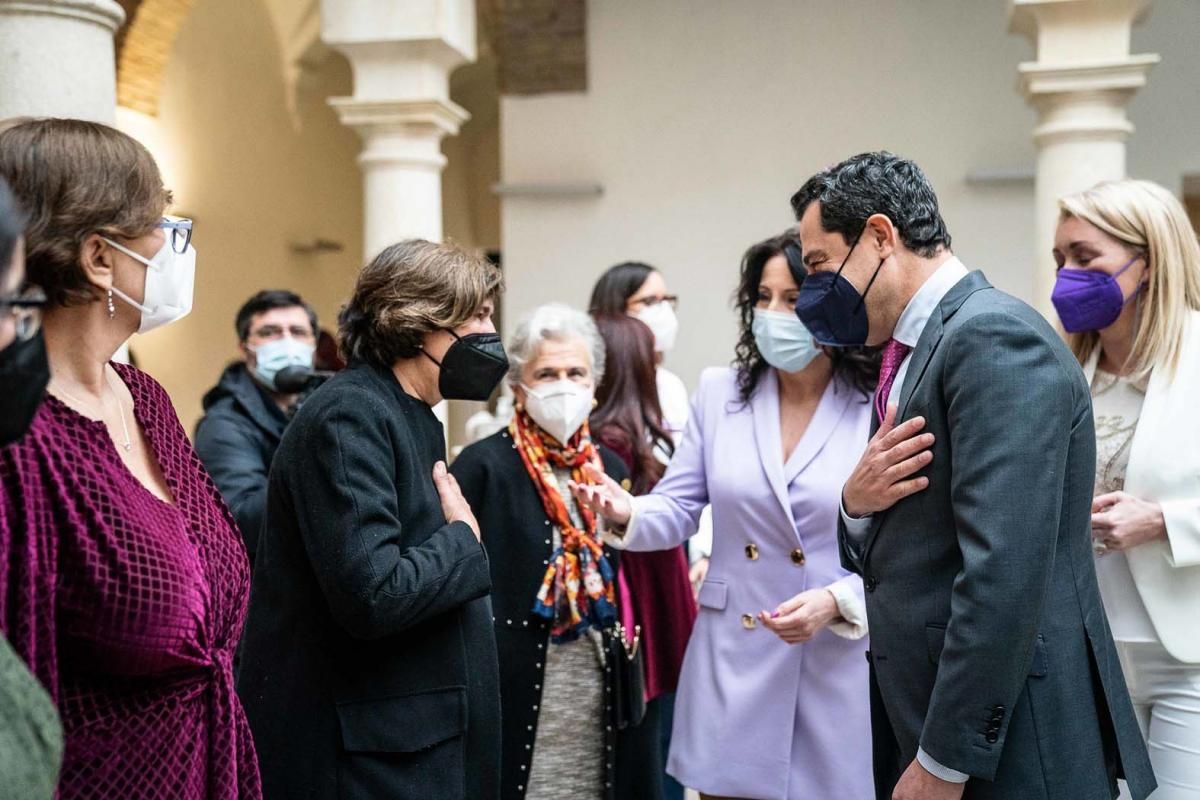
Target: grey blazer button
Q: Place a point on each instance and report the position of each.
(871, 583)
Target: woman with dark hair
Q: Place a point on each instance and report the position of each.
(369, 665)
(123, 579)
(639, 290)
(654, 588)
(772, 702)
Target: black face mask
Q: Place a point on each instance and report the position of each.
(24, 373)
(472, 367)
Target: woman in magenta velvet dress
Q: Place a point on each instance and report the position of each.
(123, 580)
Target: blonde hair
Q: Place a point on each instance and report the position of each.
(1148, 218)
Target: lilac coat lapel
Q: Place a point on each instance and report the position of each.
(768, 435)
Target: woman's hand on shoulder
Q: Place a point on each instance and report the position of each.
(802, 617)
(454, 505)
(605, 497)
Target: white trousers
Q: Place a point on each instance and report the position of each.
(1166, 698)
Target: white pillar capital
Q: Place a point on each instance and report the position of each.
(1065, 31)
(1080, 84)
(108, 14)
(402, 55)
(1084, 101)
(58, 58)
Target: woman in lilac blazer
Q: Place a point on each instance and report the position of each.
(773, 699)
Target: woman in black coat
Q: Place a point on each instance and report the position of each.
(554, 586)
(369, 666)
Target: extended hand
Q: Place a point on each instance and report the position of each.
(1121, 521)
(801, 618)
(454, 506)
(881, 478)
(918, 784)
(604, 497)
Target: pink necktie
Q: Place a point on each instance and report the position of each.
(893, 356)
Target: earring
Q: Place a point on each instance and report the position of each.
(112, 310)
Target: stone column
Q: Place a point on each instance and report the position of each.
(1080, 84)
(402, 55)
(58, 58)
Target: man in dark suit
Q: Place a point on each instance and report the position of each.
(993, 672)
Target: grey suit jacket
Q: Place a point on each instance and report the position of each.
(989, 645)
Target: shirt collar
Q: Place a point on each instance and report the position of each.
(922, 305)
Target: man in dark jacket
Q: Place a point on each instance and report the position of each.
(245, 414)
(993, 674)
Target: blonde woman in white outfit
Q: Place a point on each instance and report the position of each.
(1128, 295)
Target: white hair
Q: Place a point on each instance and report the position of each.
(554, 322)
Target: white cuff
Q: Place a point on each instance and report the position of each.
(853, 624)
(856, 527)
(938, 771)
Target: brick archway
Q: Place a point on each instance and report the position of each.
(143, 47)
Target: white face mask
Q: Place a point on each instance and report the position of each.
(783, 340)
(270, 357)
(170, 284)
(559, 408)
(661, 320)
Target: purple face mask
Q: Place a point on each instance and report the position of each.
(1089, 300)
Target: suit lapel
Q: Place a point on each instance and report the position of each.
(931, 337)
(764, 406)
(922, 354)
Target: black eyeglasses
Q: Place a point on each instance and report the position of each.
(180, 231)
(25, 309)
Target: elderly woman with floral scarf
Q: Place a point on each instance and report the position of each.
(553, 582)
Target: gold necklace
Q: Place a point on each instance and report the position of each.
(128, 443)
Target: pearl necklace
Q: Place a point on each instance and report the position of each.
(128, 443)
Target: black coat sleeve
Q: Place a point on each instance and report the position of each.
(232, 454)
(378, 575)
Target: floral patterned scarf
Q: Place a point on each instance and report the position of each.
(577, 589)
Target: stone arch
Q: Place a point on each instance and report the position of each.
(143, 48)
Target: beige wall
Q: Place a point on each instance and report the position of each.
(702, 117)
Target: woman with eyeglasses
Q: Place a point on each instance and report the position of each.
(123, 579)
(640, 291)
(30, 732)
(1128, 296)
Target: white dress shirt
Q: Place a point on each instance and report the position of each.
(909, 328)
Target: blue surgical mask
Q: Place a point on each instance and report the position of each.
(783, 340)
(832, 308)
(274, 355)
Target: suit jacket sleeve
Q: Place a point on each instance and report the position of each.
(1182, 518)
(231, 458)
(670, 514)
(378, 576)
(1006, 486)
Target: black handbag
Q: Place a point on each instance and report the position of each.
(629, 676)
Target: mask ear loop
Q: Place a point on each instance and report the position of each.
(431, 358)
(862, 298)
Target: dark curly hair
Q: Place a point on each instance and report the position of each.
(877, 183)
(855, 367)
